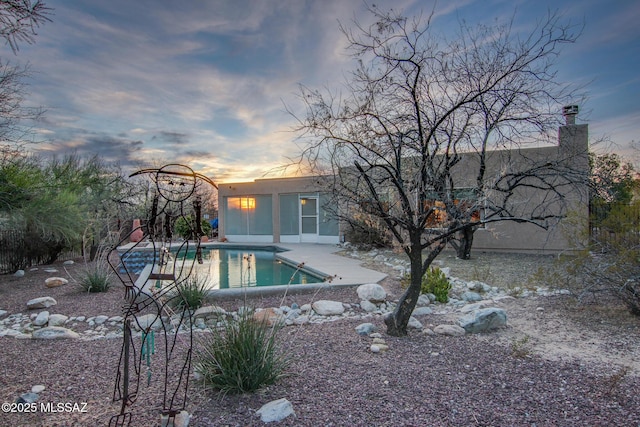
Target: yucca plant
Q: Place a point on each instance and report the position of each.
(191, 293)
(95, 280)
(97, 276)
(241, 357)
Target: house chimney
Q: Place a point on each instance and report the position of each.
(569, 112)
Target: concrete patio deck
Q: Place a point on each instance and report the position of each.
(318, 258)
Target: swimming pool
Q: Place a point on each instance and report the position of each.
(241, 268)
(223, 267)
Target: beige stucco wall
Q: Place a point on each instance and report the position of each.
(572, 149)
(272, 187)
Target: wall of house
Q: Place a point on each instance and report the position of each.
(571, 154)
(276, 201)
(273, 195)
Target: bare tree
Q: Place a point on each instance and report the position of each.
(431, 136)
(19, 20)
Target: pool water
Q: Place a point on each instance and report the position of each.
(238, 268)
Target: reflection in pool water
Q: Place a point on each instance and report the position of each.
(236, 268)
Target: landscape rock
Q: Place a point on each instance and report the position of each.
(365, 329)
(181, 419)
(414, 323)
(99, 320)
(42, 302)
(148, 321)
(368, 306)
(328, 308)
(372, 292)
(477, 286)
(421, 311)
(41, 319)
(68, 262)
(450, 330)
(471, 296)
(37, 389)
(276, 410)
(210, 311)
(468, 308)
(301, 320)
(378, 348)
(483, 320)
(54, 282)
(2, 313)
(269, 315)
(54, 332)
(423, 300)
(27, 398)
(57, 319)
(19, 273)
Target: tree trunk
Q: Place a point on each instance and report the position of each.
(463, 249)
(398, 320)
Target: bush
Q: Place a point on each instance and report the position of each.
(185, 227)
(191, 293)
(606, 258)
(367, 231)
(96, 279)
(242, 357)
(434, 282)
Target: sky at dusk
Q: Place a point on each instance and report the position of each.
(205, 83)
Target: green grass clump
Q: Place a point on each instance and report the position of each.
(191, 293)
(242, 357)
(96, 280)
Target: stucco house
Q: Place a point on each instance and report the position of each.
(294, 210)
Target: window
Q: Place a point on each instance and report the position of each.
(464, 198)
(248, 215)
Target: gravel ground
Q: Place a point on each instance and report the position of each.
(556, 364)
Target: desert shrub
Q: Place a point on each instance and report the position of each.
(185, 227)
(368, 231)
(606, 260)
(241, 357)
(433, 282)
(191, 293)
(97, 275)
(436, 282)
(96, 278)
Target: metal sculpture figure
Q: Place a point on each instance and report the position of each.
(150, 298)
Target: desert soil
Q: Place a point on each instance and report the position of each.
(557, 363)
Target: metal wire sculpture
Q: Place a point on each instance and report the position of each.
(150, 299)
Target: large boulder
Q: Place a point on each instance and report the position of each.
(372, 292)
(483, 320)
(328, 308)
